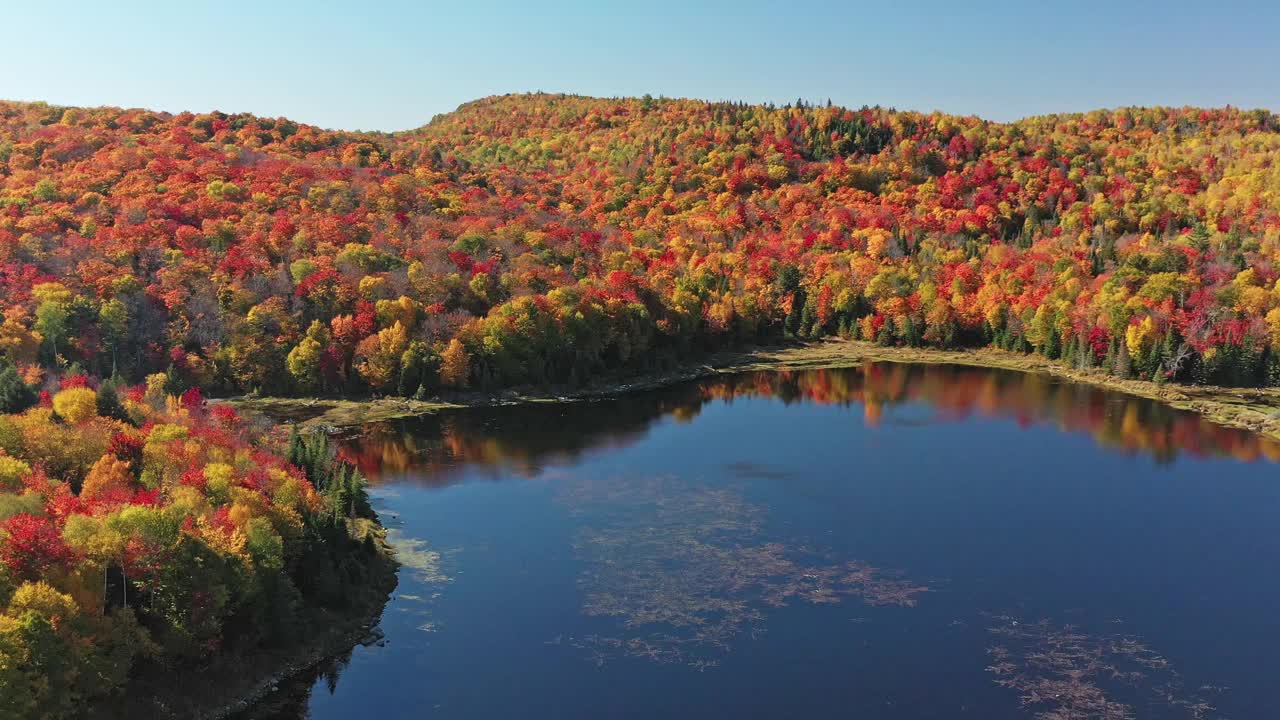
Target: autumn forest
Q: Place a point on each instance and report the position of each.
(542, 238)
(149, 261)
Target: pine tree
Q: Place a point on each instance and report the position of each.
(296, 451)
(15, 395)
(109, 403)
(1124, 368)
(173, 382)
(795, 317)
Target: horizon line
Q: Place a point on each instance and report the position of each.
(619, 98)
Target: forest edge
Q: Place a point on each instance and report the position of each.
(228, 685)
(1253, 409)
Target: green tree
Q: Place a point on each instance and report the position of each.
(15, 395)
(109, 403)
(52, 318)
(113, 319)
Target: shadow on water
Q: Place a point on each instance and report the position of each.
(524, 440)
(293, 696)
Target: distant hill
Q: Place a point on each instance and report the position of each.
(547, 238)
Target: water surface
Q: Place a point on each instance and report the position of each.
(891, 541)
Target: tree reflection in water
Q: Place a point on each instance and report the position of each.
(679, 572)
(523, 440)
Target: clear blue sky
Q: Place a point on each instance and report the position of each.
(393, 65)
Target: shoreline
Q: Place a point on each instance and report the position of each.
(237, 683)
(1253, 409)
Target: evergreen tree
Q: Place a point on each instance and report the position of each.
(15, 395)
(795, 317)
(1123, 366)
(109, 403)
(173, 382)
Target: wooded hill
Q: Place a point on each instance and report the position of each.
(547, 238)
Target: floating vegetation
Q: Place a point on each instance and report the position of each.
(427, 565)
(414, 554)
(687, 570)
(1062, 673)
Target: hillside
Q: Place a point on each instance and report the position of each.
(544, 238)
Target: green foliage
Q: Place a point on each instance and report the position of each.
(109, 403)
(15, 395)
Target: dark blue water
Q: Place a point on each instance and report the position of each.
(891, 541)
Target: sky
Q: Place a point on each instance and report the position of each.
(373, 65)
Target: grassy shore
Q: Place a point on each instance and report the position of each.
(1257, 410)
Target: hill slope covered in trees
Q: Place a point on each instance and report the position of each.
(546, 238)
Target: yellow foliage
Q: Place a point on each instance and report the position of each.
(303, 363)
(1253, 301)
(51, 292)
(403, 310)
(454, 365)
(17, 341)
(45, 601)
(166, 432)
(240, 515)
(136, 411)
(12, 470)
(1140, 337)
(877, 242)
(95, 538)
(1273, 327)
(110, 473)
(218, 477)
(380, 355)
(76, 405)
(231, 544)
(155, 388)
(156, 465)
(372, 286)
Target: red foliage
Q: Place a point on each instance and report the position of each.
(32, 546)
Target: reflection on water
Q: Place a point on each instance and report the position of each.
(525, 439)
(688, 569)
(891, 541)
(293, 696)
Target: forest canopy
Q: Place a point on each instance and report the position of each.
(548, 238)
(142, 534)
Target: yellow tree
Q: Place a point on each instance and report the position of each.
(304, 359)
(109, 477)
(17, 340)
(76, 405)
(455, 365)
(379, 356)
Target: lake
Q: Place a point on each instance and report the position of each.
(890, 541)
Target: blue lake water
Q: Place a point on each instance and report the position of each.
(889, 541)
